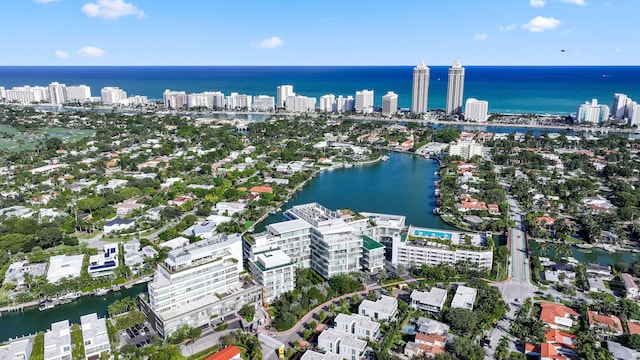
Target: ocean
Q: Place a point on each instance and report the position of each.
(508, 89)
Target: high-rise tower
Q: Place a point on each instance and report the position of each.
(420, 93)
(455, 88)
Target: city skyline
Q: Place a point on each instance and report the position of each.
(144, 32)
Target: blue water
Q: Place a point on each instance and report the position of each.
(509, 89)
(432, 234)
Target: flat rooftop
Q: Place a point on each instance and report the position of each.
(94, 329)
(57, 341)
(288, 226)
(423, 235)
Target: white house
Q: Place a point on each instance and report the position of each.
(344, 344)
(432, 301)
(358, 325)
(630, 285)
(464, 298)
(105, 261)
(229, 208)
(57, 341)
(118, 224)
(384, 308)
(63, 266)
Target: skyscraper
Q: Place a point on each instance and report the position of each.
(57, 93)
(476, 110)
(282, 92)
(364, 101)
(455, 88)
(420, 93)
(390, 103)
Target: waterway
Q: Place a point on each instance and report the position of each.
(32, 320)
(594, 255)
(403, 185)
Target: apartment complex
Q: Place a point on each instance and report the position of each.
(95, 336)
(196, 283)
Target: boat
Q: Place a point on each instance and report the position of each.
(47, 304)
(348, 165)
(384, 158)
(100, 292)
(70, 296)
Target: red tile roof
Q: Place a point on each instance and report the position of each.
(228, 353)
(551, 310)
(634, 327)
(612, 321)
(561, 337)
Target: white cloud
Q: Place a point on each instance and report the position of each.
(270, 43)
(45, 2)
(537, 3)
(59, 54)
(111, 9)
(91, 51)
(577, 2)
(481, 37)
(541, 23)
(507, 27)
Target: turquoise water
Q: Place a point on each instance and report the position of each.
(508, 89)
(432, 234)
(403, 185)
(595, 255)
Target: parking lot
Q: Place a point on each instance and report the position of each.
(139, 335)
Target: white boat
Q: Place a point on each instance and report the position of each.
(384, 158)
(100, 292)
(47, 304)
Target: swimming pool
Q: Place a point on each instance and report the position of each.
(432, 234)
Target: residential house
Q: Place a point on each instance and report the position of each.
(605, 325)
(633, 291)
(557, 316)
(358, 325)
(118, 224)
(95, 337)
(620, 352)
(344, 344)
(313, 355)
(228, 353)
(229, 208)
(431, 301)
(104, 262)
(17, 350)
(464, 298)
(57, 341)
(384, 308)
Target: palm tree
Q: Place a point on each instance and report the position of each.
(562, 249)
(543, 247)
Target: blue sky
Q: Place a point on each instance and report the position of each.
(329, 32)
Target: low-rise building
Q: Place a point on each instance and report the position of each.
(344, 344)
(118, 224)
(359, 325)
(384, 308)
(63, 266)
(464, 298)
(57, 341)
(557, 316)
(95, 336)
(229, 208)
(17, 350)
(431, 301)
(605, 325)
(104, 262)
(228, 353)
(433, 246)
(630, 286)
(314, 355)
(620, 352)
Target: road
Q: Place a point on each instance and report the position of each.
(518, 286)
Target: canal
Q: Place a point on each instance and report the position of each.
(594, 255)
(403, 185)
(32, 320)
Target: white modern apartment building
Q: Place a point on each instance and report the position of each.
(282, 93)
(79, 93)
(364, 101)
(207, 99)
(3, 93)
(390, 103)
(634, 114)
(137, 100)
(335, 246)
(592, 113)
(292, 237)
(174, 99)
(384, 308)
(196, 283)
(619, 106)
(17, 350)
(328, 103)
(264, 103)
(57, 341)
(466, 149)
(239, 101)
(372, 254)
(112, 95)
(27, 94)
(95, 336)
(432, 300)
(345, 104)
(476, 110)
(359, 325)
(434, 246)
(57, 93)
(342, 343)
(455, 88)
(274, 271)
(420, 89)
(300, 103)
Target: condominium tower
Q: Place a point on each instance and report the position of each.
(390, 103)
(420, 92)
(455, 88)
(283, 91)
